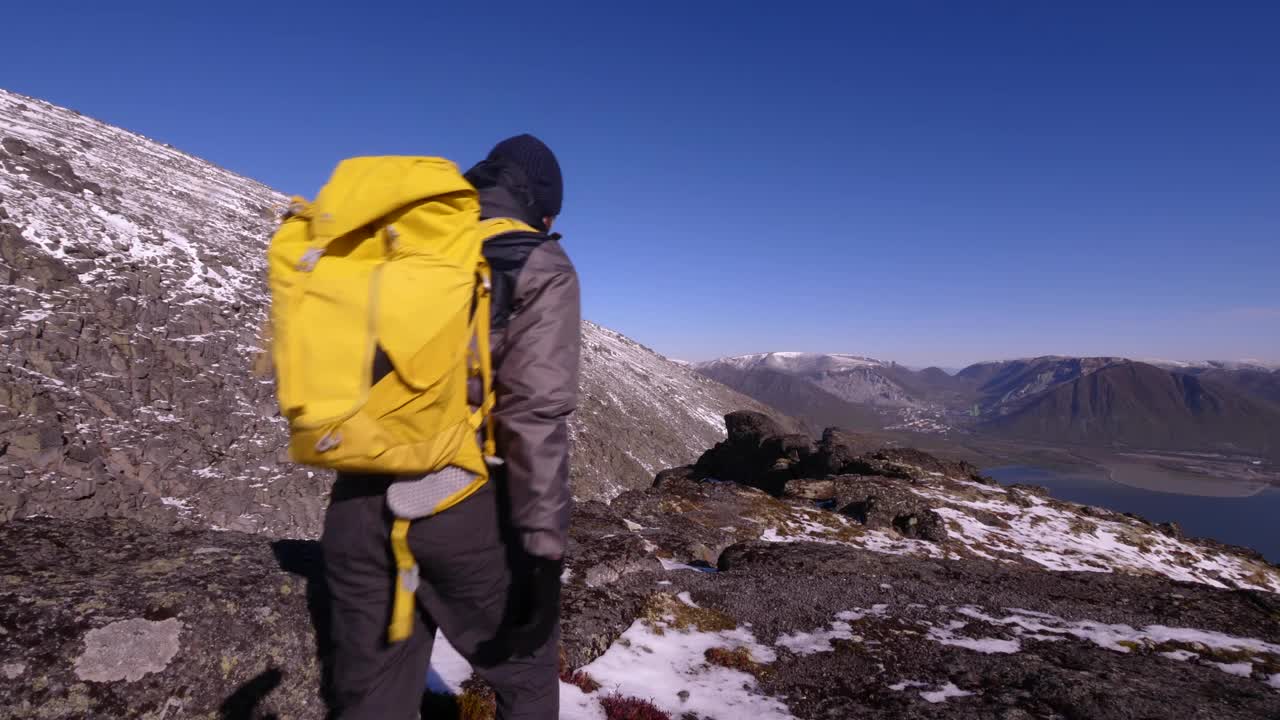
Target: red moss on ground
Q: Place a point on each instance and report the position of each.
(618, 707)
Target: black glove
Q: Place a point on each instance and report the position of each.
(535, 592)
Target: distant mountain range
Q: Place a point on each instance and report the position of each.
(1114, 402)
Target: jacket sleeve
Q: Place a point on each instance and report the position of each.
(536, 382)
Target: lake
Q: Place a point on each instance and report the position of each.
(1252, 521)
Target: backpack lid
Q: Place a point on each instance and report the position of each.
(363, 189)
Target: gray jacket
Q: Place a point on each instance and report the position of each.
(536, 339)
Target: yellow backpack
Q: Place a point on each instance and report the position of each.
(386, 263)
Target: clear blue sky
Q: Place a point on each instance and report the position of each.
(929, 182)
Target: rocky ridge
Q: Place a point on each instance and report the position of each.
(857, 584)
(132, 291)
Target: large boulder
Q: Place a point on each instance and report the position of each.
(742, 457)
(747, 428)
(758, 452)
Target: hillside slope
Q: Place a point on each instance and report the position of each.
(1254, 382)
(1001, 386)
(640, 412)
(794, 395)
(1137, 405)
(131, 293)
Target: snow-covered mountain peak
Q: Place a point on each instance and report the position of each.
(796, 362)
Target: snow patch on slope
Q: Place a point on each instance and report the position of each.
(1060, 539)
(658, 662)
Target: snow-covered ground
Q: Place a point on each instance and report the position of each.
(983, 522)
(1057, 537)
(669, 660)
(1014, 627)
(661, 660)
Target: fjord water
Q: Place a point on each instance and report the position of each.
(1252, 521)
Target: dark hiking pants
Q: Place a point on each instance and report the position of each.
(465, 575)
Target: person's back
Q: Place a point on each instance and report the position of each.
(490, 565)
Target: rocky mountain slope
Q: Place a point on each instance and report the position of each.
(131, 296)
(640, 412)
(864, 582)
(853, 379)
(845, 390)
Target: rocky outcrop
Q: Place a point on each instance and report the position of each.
(43, 168)
(880, 502)
(846, 489)
(752, 454)
(760, 453)
(838, 451)
(692, 521)
(106, 618)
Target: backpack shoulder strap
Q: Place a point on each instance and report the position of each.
(493, 227)
(507, 245)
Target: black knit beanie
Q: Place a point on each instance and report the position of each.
(539, 165)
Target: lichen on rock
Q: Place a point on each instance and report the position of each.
(128, 649)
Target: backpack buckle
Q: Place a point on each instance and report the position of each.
(309, 259)
(328, 442)
(408, 578)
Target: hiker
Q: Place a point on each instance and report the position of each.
(489, 565)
